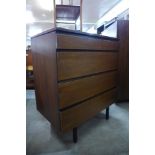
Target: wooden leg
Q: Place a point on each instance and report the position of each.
(107, 113)
(75, 137)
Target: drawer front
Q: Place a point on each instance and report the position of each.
(75, 91)
(77, 64)
(78, 114)
(84, 42)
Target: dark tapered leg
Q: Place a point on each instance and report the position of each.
(75, 137)
(107, 113)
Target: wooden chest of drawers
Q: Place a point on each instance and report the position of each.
(75, 76)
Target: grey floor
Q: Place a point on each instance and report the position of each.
(96, 137)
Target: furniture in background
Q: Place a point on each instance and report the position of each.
(66, 16)
(29, 70)
(120, 29)
(123, 36)
(75, 76)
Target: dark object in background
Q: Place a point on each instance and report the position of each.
(123, 36)
(29, 70)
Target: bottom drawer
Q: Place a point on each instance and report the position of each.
(78, 114)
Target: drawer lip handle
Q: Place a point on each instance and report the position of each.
(80, 102)
(85, 76)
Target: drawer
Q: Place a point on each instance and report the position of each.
(84, 42)
(77, 64)
(74, 91)
(78, 114)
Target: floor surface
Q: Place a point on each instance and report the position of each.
(97, 136)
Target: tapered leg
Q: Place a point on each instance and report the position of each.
(107, 113)
(75, 137)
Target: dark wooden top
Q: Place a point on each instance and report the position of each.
(75, 32)
(67, 12)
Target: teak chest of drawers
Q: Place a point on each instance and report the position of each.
(75, 76)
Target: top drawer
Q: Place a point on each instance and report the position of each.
(77, 64)
(84, 42)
